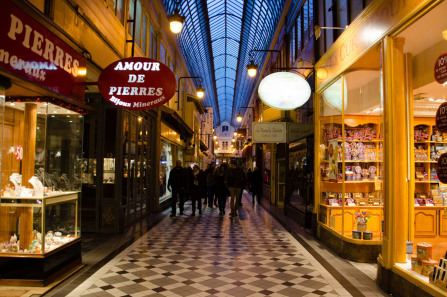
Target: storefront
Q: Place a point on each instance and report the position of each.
(172, 148)
(377, 144)
(42, 113)
(299, 200)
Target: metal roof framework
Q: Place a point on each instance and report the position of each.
(216, 40)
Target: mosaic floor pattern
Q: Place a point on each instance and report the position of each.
(211, 255)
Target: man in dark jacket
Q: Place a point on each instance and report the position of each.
(177, 181)
(210, 184)
(256, 185)
(235, 180)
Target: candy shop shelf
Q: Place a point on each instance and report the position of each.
(351, 207)
(356, 161)
(426, 162)
(350, 182)
(440, 142)
(426, 181)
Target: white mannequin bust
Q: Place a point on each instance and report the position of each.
(37, 185)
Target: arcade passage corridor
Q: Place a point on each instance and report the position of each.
(211, 255)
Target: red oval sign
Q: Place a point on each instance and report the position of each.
(441, 117)
(442, 169)
(440, 70)
(137, 83)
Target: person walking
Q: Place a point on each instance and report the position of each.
(221, 190)
(256, 185)
(234, 179)
(248, 180)
(176, 184)
(197, 187)
(210, 184)
(188, 181)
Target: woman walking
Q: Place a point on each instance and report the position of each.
(197, 190)
(221, 190)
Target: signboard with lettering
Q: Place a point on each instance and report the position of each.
(269, 132)
(442, 168)
(440, 70)
(441, 117)
(137, 83)
(30, 51)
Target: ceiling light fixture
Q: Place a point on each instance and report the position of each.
(444, 34)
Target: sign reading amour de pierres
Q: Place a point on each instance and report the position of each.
(137, 83)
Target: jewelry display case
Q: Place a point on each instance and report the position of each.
(40, 188)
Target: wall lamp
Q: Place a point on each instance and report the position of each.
(239, 115)
(252, 68)
(176, 20)
(317, 30)
(200, 90)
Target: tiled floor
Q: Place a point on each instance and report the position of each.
(210, 255)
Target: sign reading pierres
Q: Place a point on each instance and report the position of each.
(137, 83)
(31, 51)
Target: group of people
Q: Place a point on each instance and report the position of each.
(214, 185)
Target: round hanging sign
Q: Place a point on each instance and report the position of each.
(137, 83)
(440, 71)
(441, 169)
(284, 90)
(441, 117)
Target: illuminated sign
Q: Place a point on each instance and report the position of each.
(137, 83)
(333, 95)
(284, 90)
(29, 50)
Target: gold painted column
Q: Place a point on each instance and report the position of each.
(396, 153)
(29, 149)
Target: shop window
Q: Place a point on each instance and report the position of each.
(163, 56)
(166, 164)
(41, 172)
(306, 27)
(118, 8)
(152, 43)
(427, 243)
(138, 24)
(292, 45)
(351, 156)
(342, 13)
(144, 35)
(299, 35)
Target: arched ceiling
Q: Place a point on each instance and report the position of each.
(216, 40)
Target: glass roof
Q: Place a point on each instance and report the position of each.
(216, 40)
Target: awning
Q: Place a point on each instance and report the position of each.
(247, 151)
(197, 102)
(203, 146)
(174, 121)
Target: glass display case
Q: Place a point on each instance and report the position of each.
(41, 177)
(351, 156)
